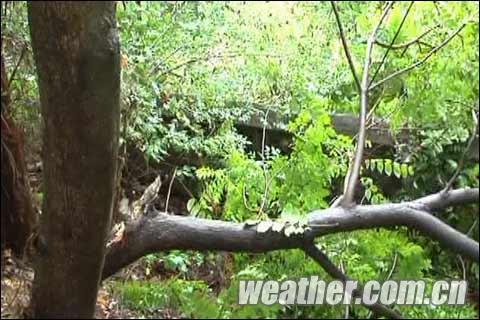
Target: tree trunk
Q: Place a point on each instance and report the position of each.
(76, 52)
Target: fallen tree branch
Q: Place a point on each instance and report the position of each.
(157, 231)
(440, 200)
(408, 214)
(168, 232)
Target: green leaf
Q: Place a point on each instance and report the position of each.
(388, 167)
(190, 204)
(368, 194)
(380, 165)
(397, 170)
(404, 170)
(411, 170)
(452, 164)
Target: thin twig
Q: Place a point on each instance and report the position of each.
(394, 265)
(209, 57)
(377, 103)
(357, 161)
(462, 264)
(264, 135)
(345, 46)
(170, 189)
(186, 189)
(24, 49)
(389, 276)
(408, 43)
(416, 64)
(264, 164)
(393, 41)
(462, 159)
(316, 254)
(335, 202)
(245, 201)
(347, 307)
(469, 233)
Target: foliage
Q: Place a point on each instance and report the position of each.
(19, 65)
(176, 261)
(278, 184)
(192, 71)
(173, 293)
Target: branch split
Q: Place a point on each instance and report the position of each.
(352, 178)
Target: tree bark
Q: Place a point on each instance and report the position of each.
(76, 52)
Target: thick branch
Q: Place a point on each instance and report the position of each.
(166, 232)
(320, 257)
(409, 214)
(440, 200)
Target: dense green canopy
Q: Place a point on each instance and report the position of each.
(194, 73)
